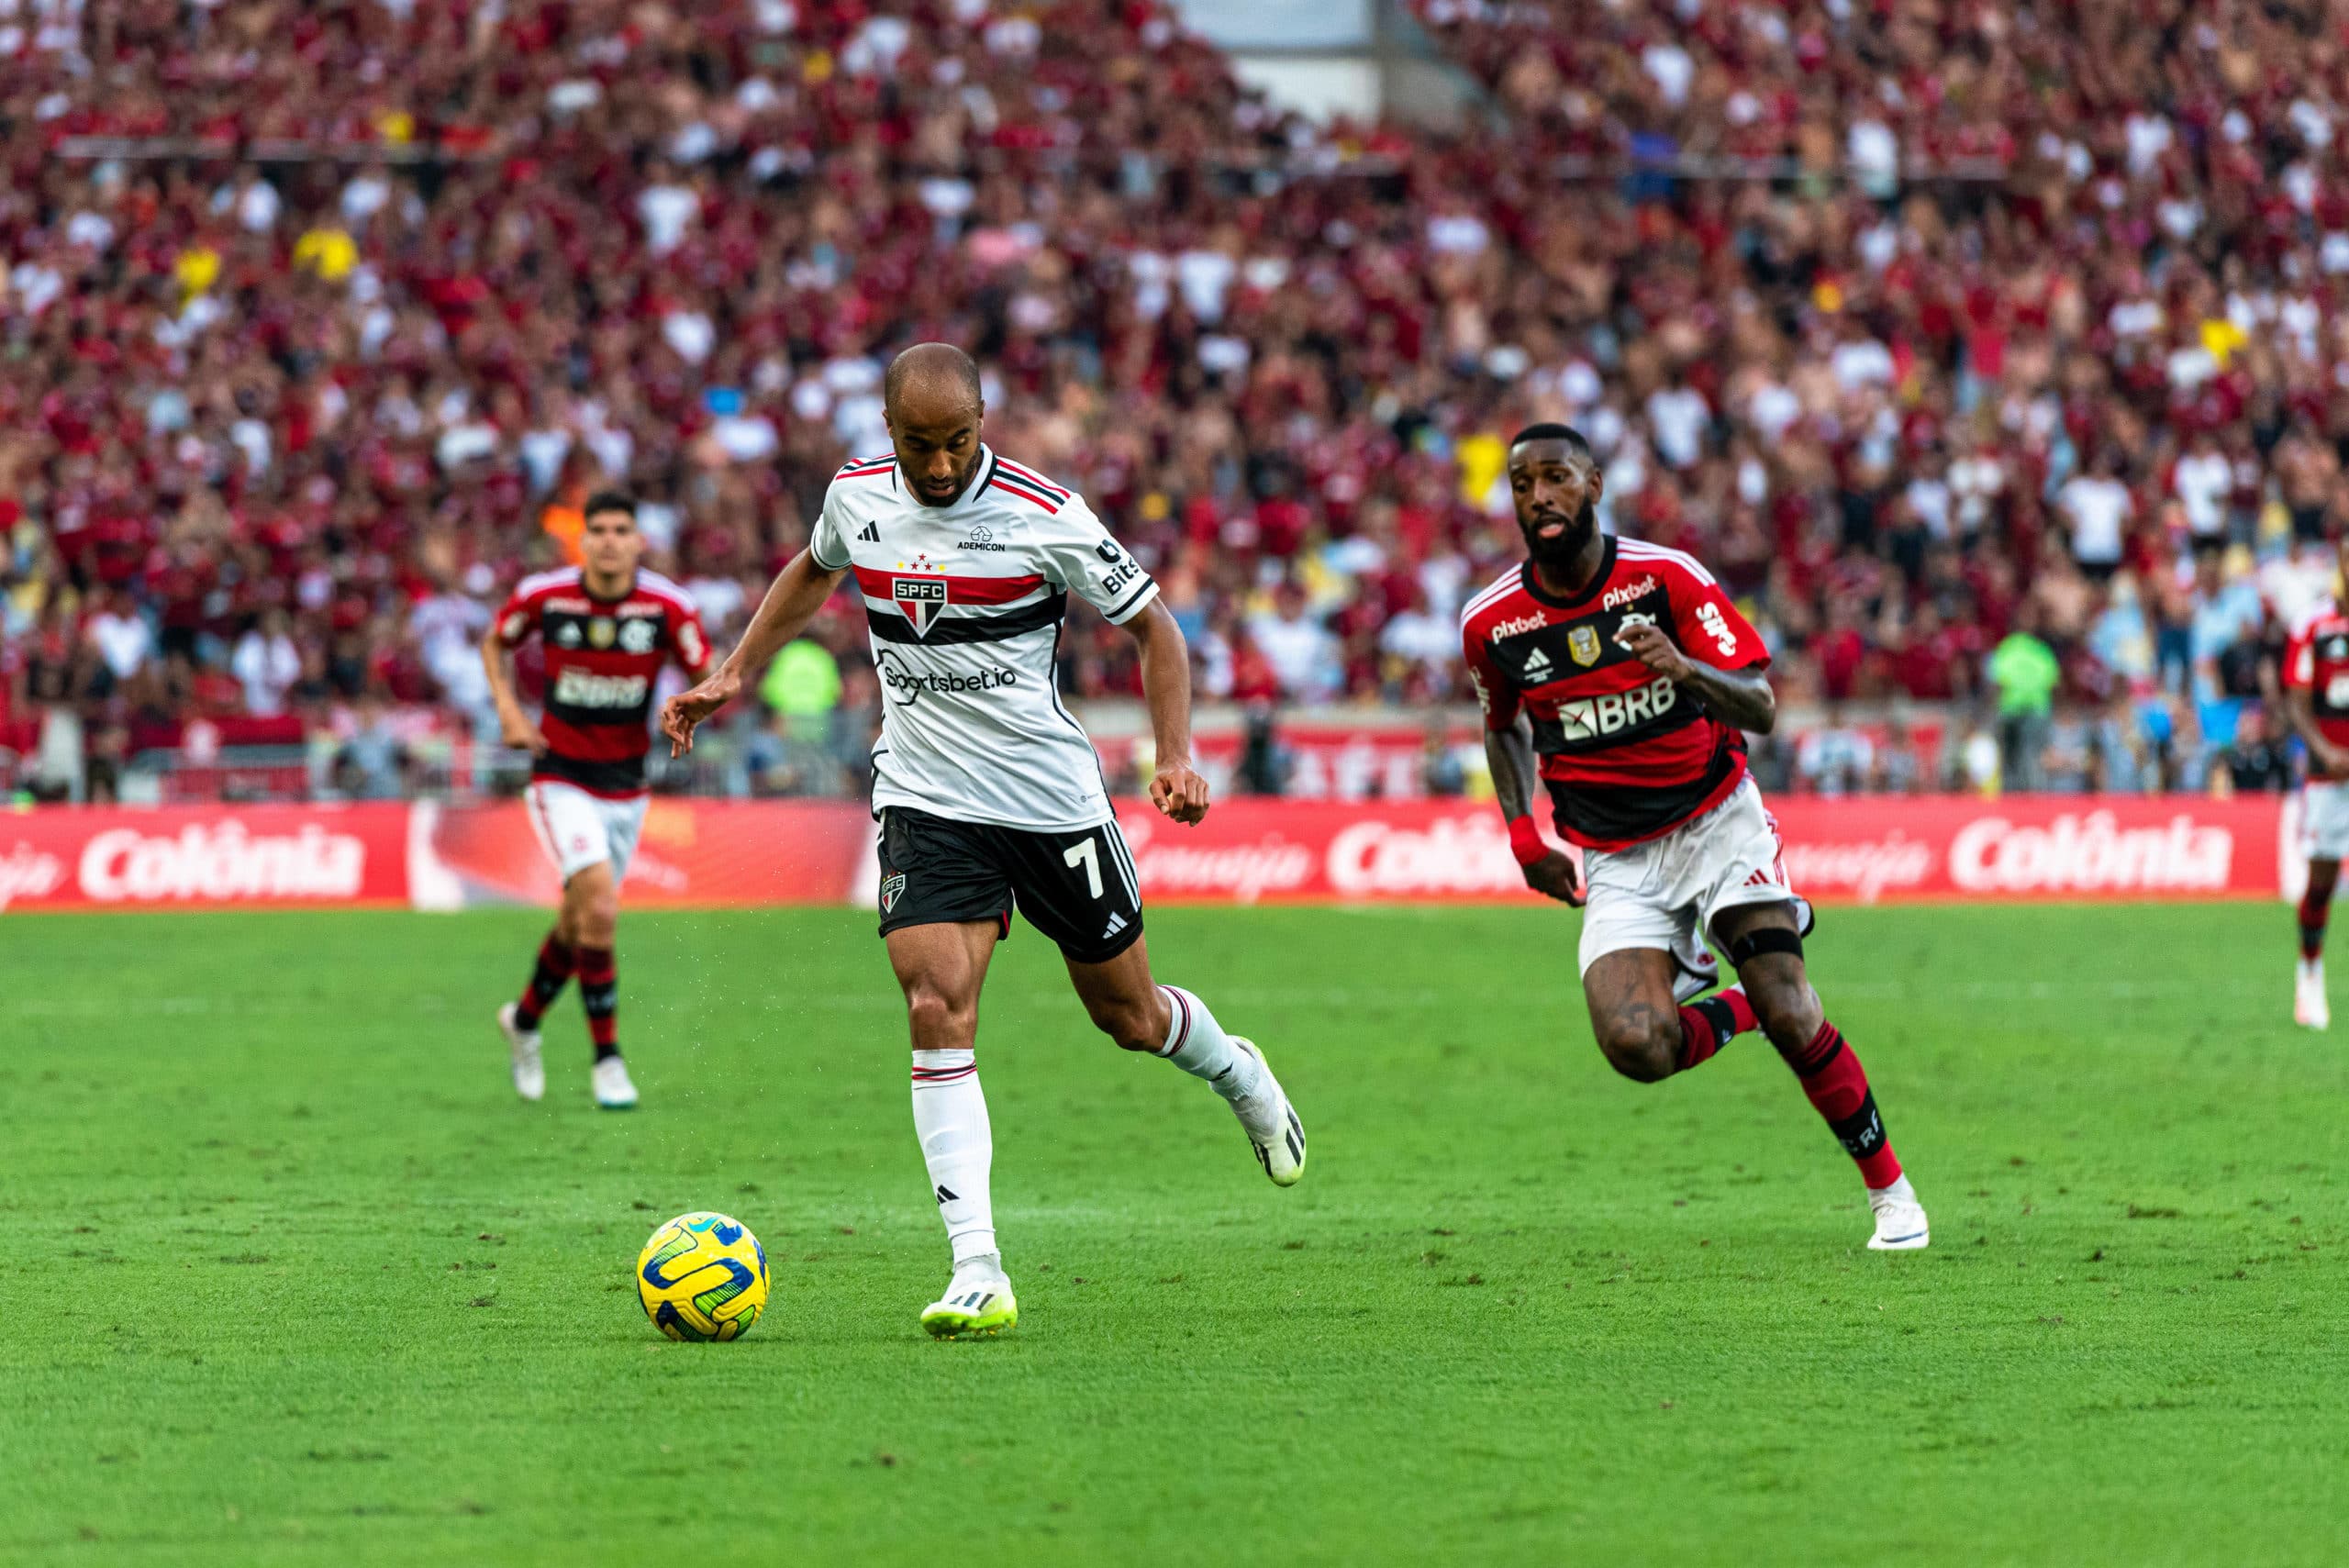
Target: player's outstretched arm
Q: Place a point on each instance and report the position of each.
(792, 601)
(1177, 790)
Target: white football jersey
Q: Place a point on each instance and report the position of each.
(965, 603)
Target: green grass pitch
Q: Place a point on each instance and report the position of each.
(292, 1277)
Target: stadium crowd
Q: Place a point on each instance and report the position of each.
(1993, 353)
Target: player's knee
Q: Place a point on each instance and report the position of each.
(597, 919)
(1787, 1010)
(939, 1023)
(1642, 1044)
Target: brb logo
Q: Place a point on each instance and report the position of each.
(1594, 716)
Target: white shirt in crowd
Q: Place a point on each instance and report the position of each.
(2098, 509)
(2202, 479)
(267, 668)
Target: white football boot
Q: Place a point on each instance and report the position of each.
(978, 1300)
(1899, 1219)
(2311, 1007)
(529, 1072)
(1271, 1122)
(613, 1090)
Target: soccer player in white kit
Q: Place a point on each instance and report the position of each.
(989, 794)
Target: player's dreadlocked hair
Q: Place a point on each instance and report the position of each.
(1551, 430)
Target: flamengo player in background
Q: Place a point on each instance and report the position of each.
(607, 627)
(989, 794)
(2316, 693)
(1631, 675)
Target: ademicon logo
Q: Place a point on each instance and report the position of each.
(221, 863)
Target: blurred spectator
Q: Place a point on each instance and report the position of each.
(2260, 760)
(2025, 674)
(1834, 758)
(373, 763)
(266, 663)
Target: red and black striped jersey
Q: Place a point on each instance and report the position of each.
(1627, 754)
(2315, 660)
(602, 658)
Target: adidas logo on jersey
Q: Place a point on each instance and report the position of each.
(1537, 665)
(1116, 924)
(871, 534)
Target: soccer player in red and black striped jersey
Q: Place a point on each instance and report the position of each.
(2316, 694)
(1622, 677)
(608, 627)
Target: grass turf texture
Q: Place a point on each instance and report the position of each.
(294, 1278)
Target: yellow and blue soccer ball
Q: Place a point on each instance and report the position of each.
(702, 1276)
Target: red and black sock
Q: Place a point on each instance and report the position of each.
(2314, 911)
(556, 963)
(599, 993)
(1707, 1025)
(1837, 1086)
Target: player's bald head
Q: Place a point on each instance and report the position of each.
(932, 385)
(934, 408)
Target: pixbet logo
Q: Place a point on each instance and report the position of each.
(1627, 593)
(1520, 625)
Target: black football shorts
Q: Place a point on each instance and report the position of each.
(1078, 888)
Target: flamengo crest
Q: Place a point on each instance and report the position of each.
(921, 598)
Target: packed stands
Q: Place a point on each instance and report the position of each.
(1990, 350)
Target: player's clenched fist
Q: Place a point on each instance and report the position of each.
(681, 713)
(1180, 792)
(1657, 652)
(1554, 876)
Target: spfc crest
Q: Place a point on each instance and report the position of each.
(892, 889)
(921, 598)
(600, 633)
(1582, 642)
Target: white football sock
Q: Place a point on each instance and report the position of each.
(1196, 1043)
(950, 1119)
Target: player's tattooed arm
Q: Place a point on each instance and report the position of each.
(2328, 759)
(1509, 754)
(791, 602)
(1742, 698)
(1177, 789)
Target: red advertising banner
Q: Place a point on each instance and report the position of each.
(1861, 850)
(698, 853)
(204, 857)
(694, 854)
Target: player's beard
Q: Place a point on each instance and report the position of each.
(1561, 550)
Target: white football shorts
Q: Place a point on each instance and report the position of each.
(2324, 820)
(578, 830)
(1664, 893)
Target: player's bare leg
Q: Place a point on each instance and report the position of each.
(590, 923)
(1130, 1007)
(1765, 941)
(2311, 1007)
(1644, 1033)
(941, 969)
